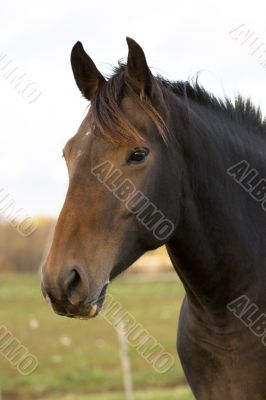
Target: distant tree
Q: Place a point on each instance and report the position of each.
(23, 254)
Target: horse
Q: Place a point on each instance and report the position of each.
(157, 162)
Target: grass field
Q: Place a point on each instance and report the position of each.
(79, 360)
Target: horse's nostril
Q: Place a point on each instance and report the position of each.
(75, 287)
(73, 282)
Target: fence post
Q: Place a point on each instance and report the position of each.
(125, 361)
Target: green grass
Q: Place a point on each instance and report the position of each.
(89, 366)
(181, 393)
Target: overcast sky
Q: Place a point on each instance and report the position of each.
(180, 38)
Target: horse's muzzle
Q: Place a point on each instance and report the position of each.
(70, 297)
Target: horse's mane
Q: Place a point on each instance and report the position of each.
(242, 110)
(110, 122)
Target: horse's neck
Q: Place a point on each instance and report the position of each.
(215, 247)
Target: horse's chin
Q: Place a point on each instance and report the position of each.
(86, 311)
(93, 311)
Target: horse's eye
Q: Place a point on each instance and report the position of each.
(138, 155)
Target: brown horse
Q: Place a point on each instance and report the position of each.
(151, 164)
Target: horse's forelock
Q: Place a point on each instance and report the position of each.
(109, 120)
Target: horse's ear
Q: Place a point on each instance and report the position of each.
(138, 71)
(86, 74)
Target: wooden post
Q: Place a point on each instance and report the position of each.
(125, 361)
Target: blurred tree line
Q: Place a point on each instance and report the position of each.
(24, 254)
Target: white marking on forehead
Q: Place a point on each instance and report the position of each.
(89, 131)
(79, 152)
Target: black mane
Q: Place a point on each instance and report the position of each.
(241, 109)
